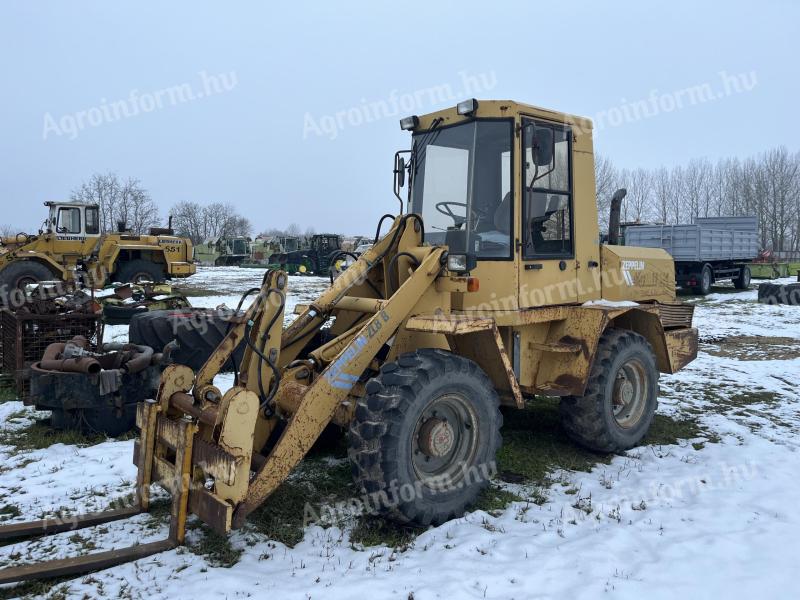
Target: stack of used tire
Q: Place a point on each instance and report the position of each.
(775, 293)
(196, 333)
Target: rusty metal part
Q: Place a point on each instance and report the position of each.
(185, 403)
(51, 361)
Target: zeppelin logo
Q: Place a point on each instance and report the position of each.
(628, 266)
(70, 238)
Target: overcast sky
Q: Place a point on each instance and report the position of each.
(290, 110)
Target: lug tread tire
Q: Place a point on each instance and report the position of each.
(376, 430)
(197, 331)
(584, 418)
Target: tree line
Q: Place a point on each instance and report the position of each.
(766, 185)
(201, 223)
(125, 201)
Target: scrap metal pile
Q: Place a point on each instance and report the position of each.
(123, 302)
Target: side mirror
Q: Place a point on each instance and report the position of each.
(400, 169)
(542, 144)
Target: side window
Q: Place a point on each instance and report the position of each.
(69, 220)
(92, 221)
(547, 214)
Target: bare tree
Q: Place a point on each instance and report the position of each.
(202, 223)
(120, 201)
(766, 186)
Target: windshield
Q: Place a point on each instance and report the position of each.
(461, 185)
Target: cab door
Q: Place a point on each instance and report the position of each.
(77, 230)
(546, 251)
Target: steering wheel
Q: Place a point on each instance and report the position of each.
(445, 209)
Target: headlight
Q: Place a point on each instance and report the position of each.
(457, 262)
(461, 263)
(467, 107)
(409, 123)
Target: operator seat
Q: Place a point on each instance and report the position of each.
(502, 215)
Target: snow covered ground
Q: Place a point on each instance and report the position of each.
(708, 517)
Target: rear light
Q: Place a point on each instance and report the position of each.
(473, 284)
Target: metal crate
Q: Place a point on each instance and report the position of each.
(24, 337)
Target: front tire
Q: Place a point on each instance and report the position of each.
(424, 438)
(17, 275)
(621, 396)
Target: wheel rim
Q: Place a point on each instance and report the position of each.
(629, 396)
(26, 280)
(444, 441)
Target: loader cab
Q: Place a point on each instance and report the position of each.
(510, 186)
(72, 221)
(74, 227)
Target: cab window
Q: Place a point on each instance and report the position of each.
(547, 210)
(69, 220)
(92, 221)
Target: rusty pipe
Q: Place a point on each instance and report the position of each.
(53, 359)
(52, 362)
(139, 362)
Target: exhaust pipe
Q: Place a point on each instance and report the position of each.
(613, 217)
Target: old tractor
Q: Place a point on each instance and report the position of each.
(322, 251)
(224, 251)
(70, 245)
(491, 289)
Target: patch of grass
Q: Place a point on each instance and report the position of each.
(534, 445)
(40, 435)
(216, 549)
(374, 530)
(493, 498)
(7, 390)
(50, 589)
(300, 499)
(752, 348)
(666, 430)
(9, 511)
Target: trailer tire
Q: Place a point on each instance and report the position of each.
(706, 279)
(424, 438)
(592, 420)
(136, 271)
(196, 331)
(742, 281)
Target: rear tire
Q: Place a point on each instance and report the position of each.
(424, 438)
(703, 288)
(137, 271)
(197, 331)
(742, 281)
(621, 396)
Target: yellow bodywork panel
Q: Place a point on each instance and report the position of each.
(637, 274)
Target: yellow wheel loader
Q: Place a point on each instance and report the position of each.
(70, 246)
(493, 289)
